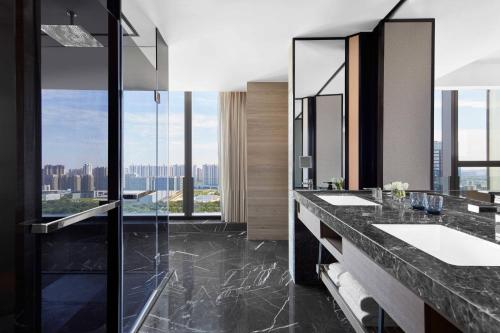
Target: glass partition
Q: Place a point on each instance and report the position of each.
(140, 170)
(74, 152)
(162, 184)
(145, 167)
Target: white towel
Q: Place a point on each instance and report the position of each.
(357, 293)
(334, 271)
(366, 318)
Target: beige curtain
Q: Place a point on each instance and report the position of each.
(232, 156)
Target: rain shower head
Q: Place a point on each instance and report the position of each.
(71, 35)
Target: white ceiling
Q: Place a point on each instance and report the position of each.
(222, 44)
(315, 63)
(467, 31)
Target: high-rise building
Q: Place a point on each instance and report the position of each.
(72, 172)
(87, 183)
(87, 169)
(100, 178)
(48, 173)
(176, 170)
(54, 182)
(64, 182)
(437, 167)
(57, 169)
(210, 175)
(76, 183)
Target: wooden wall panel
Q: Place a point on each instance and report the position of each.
(353, 113)
(267, 160)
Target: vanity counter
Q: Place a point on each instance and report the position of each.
(468, 296)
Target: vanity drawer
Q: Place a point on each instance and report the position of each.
(404, 307)
(309, 220)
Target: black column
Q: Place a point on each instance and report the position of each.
(115, 221)
(311, 132)
(370, 121)
(187, 190)
(19, 165)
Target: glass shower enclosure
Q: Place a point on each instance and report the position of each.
(145, 168)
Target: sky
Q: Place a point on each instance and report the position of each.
(74, 128)
(471, 123)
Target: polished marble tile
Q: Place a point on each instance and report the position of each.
(222, 282)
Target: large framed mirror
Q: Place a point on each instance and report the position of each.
(319, 111)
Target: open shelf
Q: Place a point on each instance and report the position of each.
(334, 291)
(353, 320)
(332, 238)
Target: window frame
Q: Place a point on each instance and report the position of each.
(468, 163)
(188, 180)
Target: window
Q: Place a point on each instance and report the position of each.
(74, 158)
(472, 125)
(474, 146)
(437, 167)
(176, 153)
(478, 115)
(194, 155)
(205, 153)
(467, 140)
(139, 153)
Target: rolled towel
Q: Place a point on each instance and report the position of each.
(364, 317)
(357, 293)
(334, 271)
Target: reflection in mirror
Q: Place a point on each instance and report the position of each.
(319, 110)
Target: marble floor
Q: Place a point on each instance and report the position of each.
(223, 283)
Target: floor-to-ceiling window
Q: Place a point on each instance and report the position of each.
(205, 153)
(196, 153)
(473, 118)
(437, 165)
(176, 153)
(472, 139)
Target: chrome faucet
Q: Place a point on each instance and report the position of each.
(309, 183)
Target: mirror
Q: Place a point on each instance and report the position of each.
(319, 110)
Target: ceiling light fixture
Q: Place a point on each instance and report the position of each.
(71, 35)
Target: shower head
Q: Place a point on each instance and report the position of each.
(71, 35)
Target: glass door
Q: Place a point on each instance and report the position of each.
(140, 161)
(145, 168)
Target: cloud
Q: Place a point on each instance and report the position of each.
(472, 144)
(471, 104)
(203, 121)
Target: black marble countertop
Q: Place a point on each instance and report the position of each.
(469, 296)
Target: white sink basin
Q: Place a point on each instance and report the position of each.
(449, 245)
(346, 200)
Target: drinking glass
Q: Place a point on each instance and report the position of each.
(418, 200)
(434, 204)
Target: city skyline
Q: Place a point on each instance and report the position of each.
(71, 145)
(90, 178)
